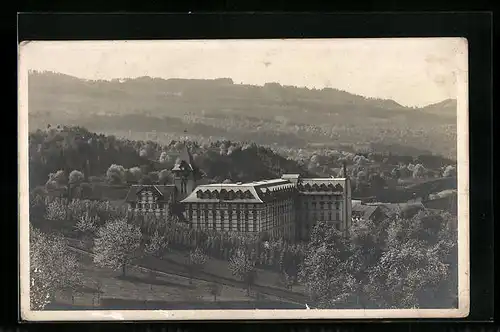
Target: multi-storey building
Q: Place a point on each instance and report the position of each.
(262, 206)
(287, 207)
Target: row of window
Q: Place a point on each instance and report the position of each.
(324, 198)
(322, 205)
(238, 227)
(147, 206)
(217, 206)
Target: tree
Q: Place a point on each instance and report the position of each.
(155, 247)
(76, 177)
(74, 181)
(419, 171)
(196, 260)
(56, 180)
(117, 244)
(86, 226)
(37, 204)
(243, 268)
(450, 171)
(55, 210)
(215, 289)
(85, 191)
(326, 273)
(164, 157)
(145, 180)
(134, 174)
(116, 174)
(154, 176)
(418, 268)
(164, 176)
(52, 268)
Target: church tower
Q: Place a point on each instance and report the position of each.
(185, 174)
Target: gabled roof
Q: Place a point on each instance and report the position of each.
(163, 191)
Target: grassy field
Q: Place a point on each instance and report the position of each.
(175, 261)
(102, 286)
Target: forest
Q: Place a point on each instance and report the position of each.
(91, 163)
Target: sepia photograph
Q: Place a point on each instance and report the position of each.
(244, 179)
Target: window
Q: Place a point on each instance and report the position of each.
(255, 226)
(246, 227)
(214, 225)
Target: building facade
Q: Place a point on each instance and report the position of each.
(152, 199)
(287, 207)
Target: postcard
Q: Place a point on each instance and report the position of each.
(244, 179)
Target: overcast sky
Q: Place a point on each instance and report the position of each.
(413, 72)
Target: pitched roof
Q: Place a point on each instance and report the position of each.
(261, 191)
(251, 192)
(313, 185)
(364, 211)
(164, 191)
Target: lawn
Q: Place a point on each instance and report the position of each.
(102, 286)
(175, 261)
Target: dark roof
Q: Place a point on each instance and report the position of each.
(164, 191)
(321, 185)
(395, 207)
(365, 211)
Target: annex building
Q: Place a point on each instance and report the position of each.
(286, 207)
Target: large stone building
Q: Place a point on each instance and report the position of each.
(287, 207)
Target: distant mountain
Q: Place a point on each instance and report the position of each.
(269, 114)
(448, 106)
